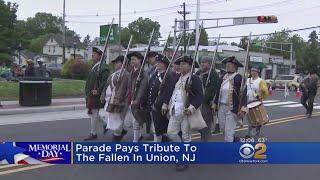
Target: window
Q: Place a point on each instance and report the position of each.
(54, 49)
(51, 39)
(49, 49)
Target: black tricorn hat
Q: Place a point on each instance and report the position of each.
(118, 59)
(232, 60)
(97, 50)
(135, 54)
(162, 58)
(152, 54)
(186, 59)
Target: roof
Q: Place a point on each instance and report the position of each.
(69, 40)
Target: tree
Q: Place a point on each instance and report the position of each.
(86, 41)
(36, 45)
(8, 20)
(234, 44)
(312, 55)
(203, 40)
(141, 30)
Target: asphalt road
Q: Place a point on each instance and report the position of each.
(288, 125)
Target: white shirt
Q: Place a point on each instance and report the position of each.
(225, 86)
(253, 86)
(177, 99)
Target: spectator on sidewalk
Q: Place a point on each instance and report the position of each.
(30, 70)
(5, 72)
(41, 70)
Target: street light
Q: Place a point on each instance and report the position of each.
(19, 51)
(74, 50)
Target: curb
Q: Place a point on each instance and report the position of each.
(29, 110)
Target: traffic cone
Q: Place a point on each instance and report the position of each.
(270, 91)
(298, 92)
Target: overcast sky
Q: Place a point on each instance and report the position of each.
(82, 14)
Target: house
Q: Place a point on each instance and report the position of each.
(24, 56)
(53, 48)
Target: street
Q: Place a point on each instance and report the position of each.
(288, 124)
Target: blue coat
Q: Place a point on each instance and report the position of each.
(235, 101)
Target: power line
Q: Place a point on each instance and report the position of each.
(255, 35)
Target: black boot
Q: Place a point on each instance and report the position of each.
(91, 137)
(105, 130)
(165, 138)
(216, 129)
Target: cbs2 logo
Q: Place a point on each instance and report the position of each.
(248, 151)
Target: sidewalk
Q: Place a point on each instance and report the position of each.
(67, 104)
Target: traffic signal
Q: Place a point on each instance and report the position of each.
(267, 19)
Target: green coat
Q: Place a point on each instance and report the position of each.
(213, 86)
(98, 79)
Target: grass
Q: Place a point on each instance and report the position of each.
(60, 88)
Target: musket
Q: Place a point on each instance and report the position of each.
(246, 64)
(213, 64)
(139, 78)
(166, 43)
(124, 64)
(188, 45)
(105, 45)
(189, 82)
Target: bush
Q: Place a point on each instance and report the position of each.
(66, 69)
(79, 70)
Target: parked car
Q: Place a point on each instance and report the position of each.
(54, 70)
(292, 82)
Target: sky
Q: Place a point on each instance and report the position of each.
(85, 17)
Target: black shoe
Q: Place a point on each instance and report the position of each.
(1, 105)
(216, 129)
(236, 139)
(309, 115)
(181, 167)
(105, 130)
(149, 137)
(165, 138)
(91, 137)
(140, 139)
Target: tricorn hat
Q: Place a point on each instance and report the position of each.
(232, 60)
(187, 59)
(97, 50)
(135, 54)
(118, 59)
(162, 58)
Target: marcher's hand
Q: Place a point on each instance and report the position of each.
(164, 109)
(94, 92)
(241, 114)
(187, 112)
(214, 107)
(134, 104)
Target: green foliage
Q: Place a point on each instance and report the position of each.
(36, 45)
(79, 70)
(8, 20)
(66, 69)
(141, 30)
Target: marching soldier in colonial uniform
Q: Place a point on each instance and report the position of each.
(227, 101)
(94, 85)
(150, 68)
(136, 91)
(156, 95)
(184, 104)
(209, 93)
(117, 105)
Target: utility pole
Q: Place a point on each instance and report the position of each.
(197, 26)
(64, 33)
(291, 58)
(175, 33)
(119, 30)
(184, 13)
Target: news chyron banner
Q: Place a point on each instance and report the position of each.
(159, 153)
